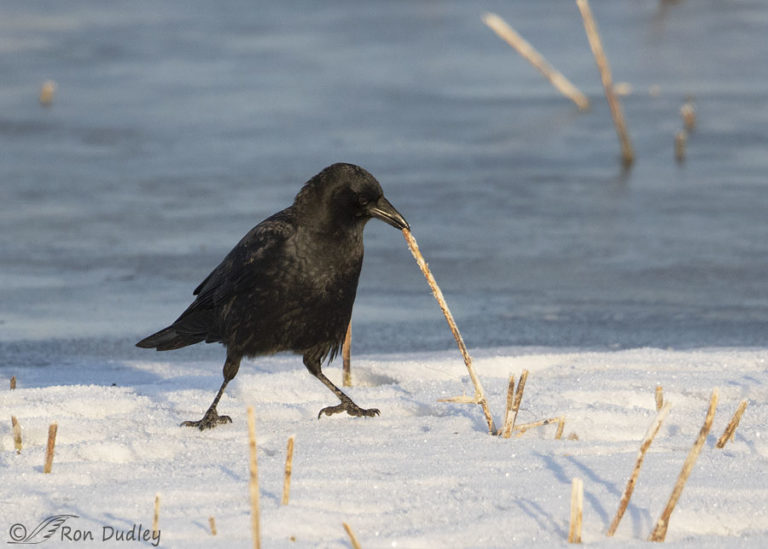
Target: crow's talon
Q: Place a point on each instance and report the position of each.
(209, 421)
(352, 409)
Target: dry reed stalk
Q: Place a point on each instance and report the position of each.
(650, 434)
(50, 446)
(521, 429)
(212, 524)
(156, 516)
(346, 357)
(627, 154)
(351, 534)
(681, 140)
(479, 393)
(622, 88)
(560, 428)
(509, 420)
(288, 471)
(510, 400)
(529, 53)
(16, 434)
(13, 383)
(577, 505)
(688, 113)
(254, 480)
(47, 91)
(659, 397)
(660, 530)
(728, 433)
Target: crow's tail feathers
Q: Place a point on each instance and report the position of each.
(168, 339)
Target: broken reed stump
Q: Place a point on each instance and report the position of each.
(659, 397)
(346, 357)
(479, 397)
(627, 153)
(49, 447)
(156, 516)
(212, 524)
(521, 429)
(351, 534)
(688, 114)
(560, 428)
(731, 428)
(47, 91)
(577, 506)
(16, 434)
(511, 416)
(681, 140)
(660, 530)
(288, 471)
(253, 483)
(510, 401)
(529, 53)
(650, 434)
(13, 383)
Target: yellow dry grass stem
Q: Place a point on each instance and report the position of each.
(479, 397)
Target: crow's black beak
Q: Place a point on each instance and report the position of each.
(385, 211)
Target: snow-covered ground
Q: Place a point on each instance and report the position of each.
(423, 474)
(177, 126)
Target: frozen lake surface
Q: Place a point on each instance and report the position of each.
(176, 127)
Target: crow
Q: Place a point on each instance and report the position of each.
(289, 284)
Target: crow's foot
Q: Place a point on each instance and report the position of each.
(351, 408)
(210, 420)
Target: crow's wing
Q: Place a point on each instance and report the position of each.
(254, 262)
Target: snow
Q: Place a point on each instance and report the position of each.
(423, 474)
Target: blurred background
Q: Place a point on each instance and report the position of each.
(175, 127)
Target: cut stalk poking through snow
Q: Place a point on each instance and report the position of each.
(577, 505)
(288, 471)
(156, 516)
(511, 417)
(212, 524)
(352, 537)
(521, 429)
(560, 428)
(479, 393)
(52, 429)
(649, 436)
(660, 530)
(728, 433)
(16, 434)
(254, 480)
(529, 53)
(510, 403)
(13, 383)
(346, 358)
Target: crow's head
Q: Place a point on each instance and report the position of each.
(346, 195)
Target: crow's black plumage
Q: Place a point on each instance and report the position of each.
(289, 284)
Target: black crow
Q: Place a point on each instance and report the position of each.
(289, 284)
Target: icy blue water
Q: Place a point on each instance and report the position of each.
(179, 125)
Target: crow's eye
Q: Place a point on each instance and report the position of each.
(362, 201)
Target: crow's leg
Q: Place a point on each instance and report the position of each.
(313, 365)
(211, 418)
